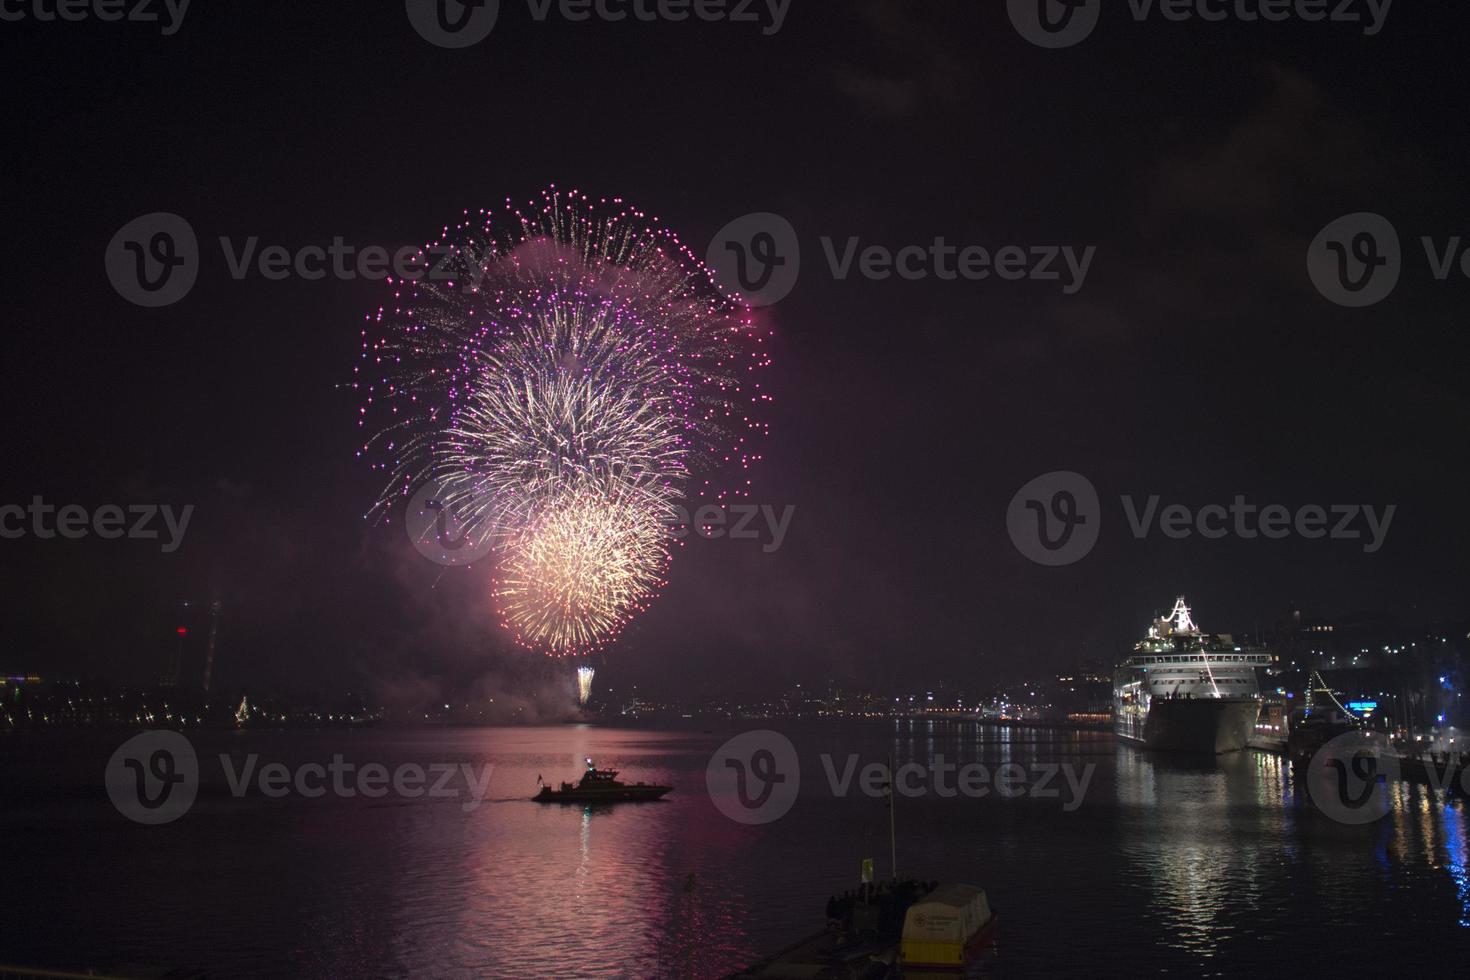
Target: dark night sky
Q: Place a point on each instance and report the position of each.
(1197, 363)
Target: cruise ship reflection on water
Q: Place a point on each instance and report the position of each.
(1184, 814)
(1209, 838)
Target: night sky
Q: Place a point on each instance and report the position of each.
(1197, 362)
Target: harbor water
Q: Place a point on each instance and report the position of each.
(1139, 863)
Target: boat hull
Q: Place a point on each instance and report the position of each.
(949, 957)
(1198, 725)
(1306, 740)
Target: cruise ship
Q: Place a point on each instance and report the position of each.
(1185, 690)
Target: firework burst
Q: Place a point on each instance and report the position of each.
(582, 398)
(565, 281)
(567, 372)
(588, 563)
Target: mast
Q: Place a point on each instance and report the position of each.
(892, 823)
(1316, 684)
(1180, 618)
(177, 664)
(214, 611)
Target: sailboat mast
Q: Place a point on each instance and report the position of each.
(892, 821)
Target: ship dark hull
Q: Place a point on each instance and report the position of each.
(1305, 740)
(626, 794)
(1198, 725)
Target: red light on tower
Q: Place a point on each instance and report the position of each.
(182, 631)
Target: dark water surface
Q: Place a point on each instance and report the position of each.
(1203, 868)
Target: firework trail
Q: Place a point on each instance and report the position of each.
(585, 673)
(567, 372)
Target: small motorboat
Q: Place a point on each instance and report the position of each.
(600, 786)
